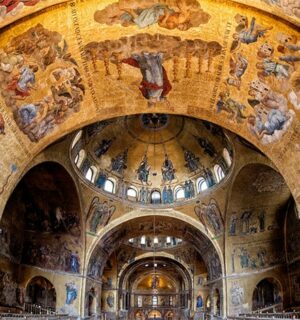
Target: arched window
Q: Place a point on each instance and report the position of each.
(132, 193)
(79, 158)
(143, 240)
(227, 157)
(155, 197)
(109, 186)
(76, 139)
(219, 173)
(91, 173)
(202, 184)
(179, 193)
(154, 300)
(140, 301)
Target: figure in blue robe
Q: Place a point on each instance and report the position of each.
(192, 162)
(71, 292)
(119, 164)
(170, 195)
(187, 193)
(167, 170)
(191, 189)
(143, 170)
(209, 177)
(165, 195)
(100, 182)
(199, 302)
(74, 263)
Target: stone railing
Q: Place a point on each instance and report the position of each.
(250, 316)
(275, 308)
(272, 315)
(38, 309)
(34, 312)
(26, 316)
(210, 316)
(262, 317)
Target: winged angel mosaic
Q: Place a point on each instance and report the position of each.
(274, 94)
(210, 216)
(99, 214)
(10, 8)
(40, 82)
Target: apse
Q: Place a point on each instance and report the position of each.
(43, 212)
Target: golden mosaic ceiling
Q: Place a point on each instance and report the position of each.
(76, 62)
(135, 149)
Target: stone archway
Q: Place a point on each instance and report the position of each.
(267, 293)
(110, 238)
(40, 292)
(103, 57)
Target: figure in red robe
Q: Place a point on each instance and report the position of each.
(155, 84)
(12, 4)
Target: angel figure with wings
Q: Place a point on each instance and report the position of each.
(247, 32)
(101, 214)
(214, 216)
(210, 213)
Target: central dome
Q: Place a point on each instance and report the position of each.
(154, 121)
(153, 128)
(152, 152)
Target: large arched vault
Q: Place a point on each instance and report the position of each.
(73, 63)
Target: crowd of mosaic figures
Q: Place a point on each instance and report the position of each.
(51, 256)
(274, 95)
(34, 64)
(11, 8)
(147, 53)
(168, 14)
(290, 7)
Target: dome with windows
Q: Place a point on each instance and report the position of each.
(156, 159)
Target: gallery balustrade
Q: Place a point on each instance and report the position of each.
(13, 316)
(34, 312)
(38, 309)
